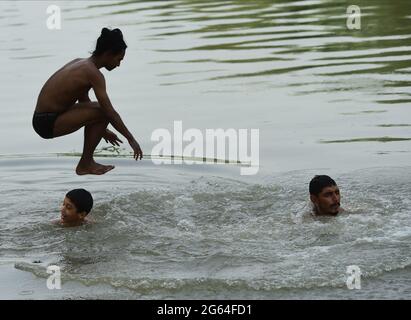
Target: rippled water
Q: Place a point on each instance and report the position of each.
(325, 99)
(209, 236)
(292, 69)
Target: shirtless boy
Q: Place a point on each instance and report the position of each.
(63, 105)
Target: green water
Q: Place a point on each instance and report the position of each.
(291, 69)
(324, 98)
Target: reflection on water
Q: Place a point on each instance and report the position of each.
(295, 57)
(376, 139)
(239, 39)
(264, 39)
(394, 125)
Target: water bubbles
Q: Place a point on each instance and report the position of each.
(216, 233)
(186, 225)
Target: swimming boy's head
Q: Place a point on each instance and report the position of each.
(76, 206)
(111, 48)
(324, 195)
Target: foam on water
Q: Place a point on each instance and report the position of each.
(217, 234)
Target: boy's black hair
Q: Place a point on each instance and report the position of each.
(82, 199)
(318, 183)
(110, 40)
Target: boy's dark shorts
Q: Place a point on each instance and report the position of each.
(43, 123)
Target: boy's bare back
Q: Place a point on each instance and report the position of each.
(66, 86)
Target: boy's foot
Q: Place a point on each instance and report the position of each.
(93, 168)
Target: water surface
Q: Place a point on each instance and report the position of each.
(325, 99)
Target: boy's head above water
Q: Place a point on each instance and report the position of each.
(76, 206)
(325, 195)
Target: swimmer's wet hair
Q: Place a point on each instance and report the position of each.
(318, 183)
(82, 199)
(110, 40)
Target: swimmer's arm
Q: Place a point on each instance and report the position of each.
(98, 84)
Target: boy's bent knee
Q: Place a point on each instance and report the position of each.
(100, 116)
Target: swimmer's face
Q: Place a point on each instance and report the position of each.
(69, 214)
(327, 202)
(114, 60)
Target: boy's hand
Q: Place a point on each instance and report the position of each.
(111, 137)
(138, 153)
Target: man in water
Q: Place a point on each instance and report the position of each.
(76, 206)
(325, 196)
(63, 105)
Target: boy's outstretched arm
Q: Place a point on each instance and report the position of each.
(99, 86)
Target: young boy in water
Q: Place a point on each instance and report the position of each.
(76, 206)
